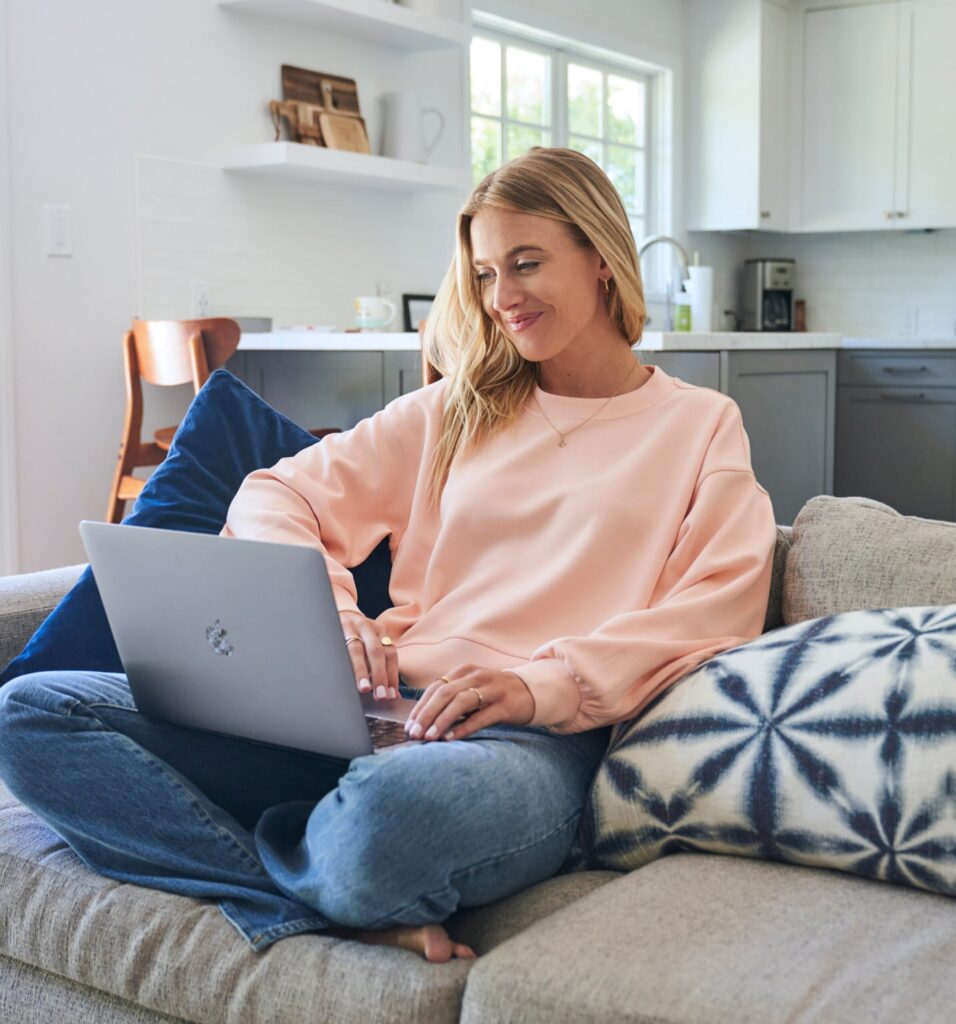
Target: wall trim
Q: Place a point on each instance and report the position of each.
(9, 556)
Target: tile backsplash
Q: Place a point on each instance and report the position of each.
(294, 251)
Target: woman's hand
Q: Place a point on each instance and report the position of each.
(505, 698)
(375, 664)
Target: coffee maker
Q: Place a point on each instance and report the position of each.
(766, 300)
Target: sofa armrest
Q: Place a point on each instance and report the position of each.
(25, 601)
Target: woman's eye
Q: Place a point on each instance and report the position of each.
(527, 265)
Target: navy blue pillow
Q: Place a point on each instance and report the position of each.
(227, 432)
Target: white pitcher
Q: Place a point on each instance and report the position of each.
(404, 137)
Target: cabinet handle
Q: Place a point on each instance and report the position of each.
(901, 213)
(906, 369)
(888, 215)
(921, 397)
(764, 214)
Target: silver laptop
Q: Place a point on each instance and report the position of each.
(239, 637)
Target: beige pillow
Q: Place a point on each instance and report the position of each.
(855, 553)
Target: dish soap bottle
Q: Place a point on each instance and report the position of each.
(682, 311)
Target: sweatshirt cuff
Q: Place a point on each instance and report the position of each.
(555, 691)
(344, 601)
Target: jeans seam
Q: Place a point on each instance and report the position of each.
(474, 867)
(154, 762)
(272, 932)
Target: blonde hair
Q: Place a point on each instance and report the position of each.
(489, 382)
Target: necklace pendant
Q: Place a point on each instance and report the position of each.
(562, 443)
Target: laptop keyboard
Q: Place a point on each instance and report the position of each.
(385, 733)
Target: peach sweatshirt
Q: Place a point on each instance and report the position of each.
(600, 573)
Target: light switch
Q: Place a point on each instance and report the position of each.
(59, 236)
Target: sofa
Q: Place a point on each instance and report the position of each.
(691, 937)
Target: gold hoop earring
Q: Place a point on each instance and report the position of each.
(607, 287)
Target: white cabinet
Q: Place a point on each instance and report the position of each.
(878, 137)
(930, 201)
(738, 85)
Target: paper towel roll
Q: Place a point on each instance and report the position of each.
(701, 288)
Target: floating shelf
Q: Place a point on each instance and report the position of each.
(375, 20)
(316, 163)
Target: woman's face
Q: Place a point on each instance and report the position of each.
(547, 298)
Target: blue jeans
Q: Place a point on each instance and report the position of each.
(288, 841)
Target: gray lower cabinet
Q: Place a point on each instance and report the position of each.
(896, 430)
(787, 400)
(702, 369)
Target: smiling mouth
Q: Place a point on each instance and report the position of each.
(523, 322)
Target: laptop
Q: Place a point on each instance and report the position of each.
(239, 637)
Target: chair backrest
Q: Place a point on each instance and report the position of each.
(180, 351)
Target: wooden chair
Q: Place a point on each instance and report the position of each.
(165, 353)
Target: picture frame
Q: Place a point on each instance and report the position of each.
(415, 308)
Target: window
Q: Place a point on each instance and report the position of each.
(525, 94)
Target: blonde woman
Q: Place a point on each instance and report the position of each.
(571, 533)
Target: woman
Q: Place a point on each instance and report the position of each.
(571, 533)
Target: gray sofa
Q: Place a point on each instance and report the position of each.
(693, 937)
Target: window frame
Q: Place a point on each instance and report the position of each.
(658, 112)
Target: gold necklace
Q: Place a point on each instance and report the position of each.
(562, 443)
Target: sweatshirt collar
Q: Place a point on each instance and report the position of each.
(651, 391)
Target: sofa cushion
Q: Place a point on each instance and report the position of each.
(227, 432)
(700, 937)
(830, 743)
(179, 956)
(851, 553)
(26, 600)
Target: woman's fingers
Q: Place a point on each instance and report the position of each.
(375, 664)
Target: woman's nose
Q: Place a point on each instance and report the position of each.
(506, 294)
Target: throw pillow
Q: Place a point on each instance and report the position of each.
(852, 553)
(830, 743)
(227, 432)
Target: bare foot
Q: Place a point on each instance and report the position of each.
(431, 940)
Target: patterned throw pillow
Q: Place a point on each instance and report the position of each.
(829, 743)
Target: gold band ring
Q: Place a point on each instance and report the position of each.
(354, 636)
(387, 641)
(481, 702)
(445, 679)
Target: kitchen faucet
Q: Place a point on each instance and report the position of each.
(681, 255)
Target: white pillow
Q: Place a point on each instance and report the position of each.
(829, 743)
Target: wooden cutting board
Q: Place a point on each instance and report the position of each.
(340, 122)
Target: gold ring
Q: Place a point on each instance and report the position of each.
(349, 639)
(445, 679)
(387, 641)
(481, 702)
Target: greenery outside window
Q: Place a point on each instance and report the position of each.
(526, 94)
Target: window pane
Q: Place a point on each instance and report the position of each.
(521, 139)
(486, 76)
(588, 147)
(625, 110)
(625, 167)
(638, 230)
(485, 147)
(529, 92)
(584, 100)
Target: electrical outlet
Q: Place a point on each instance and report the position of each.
(909, 320)
(200, 299)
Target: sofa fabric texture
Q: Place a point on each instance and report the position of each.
(852, 553)
(25, 601)
(699, 938)
(829, 743)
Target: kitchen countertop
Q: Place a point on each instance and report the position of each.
(653, 341)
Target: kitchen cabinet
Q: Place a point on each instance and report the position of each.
(738, 88)
(787, 400)
(877, 133)
(896, 430)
